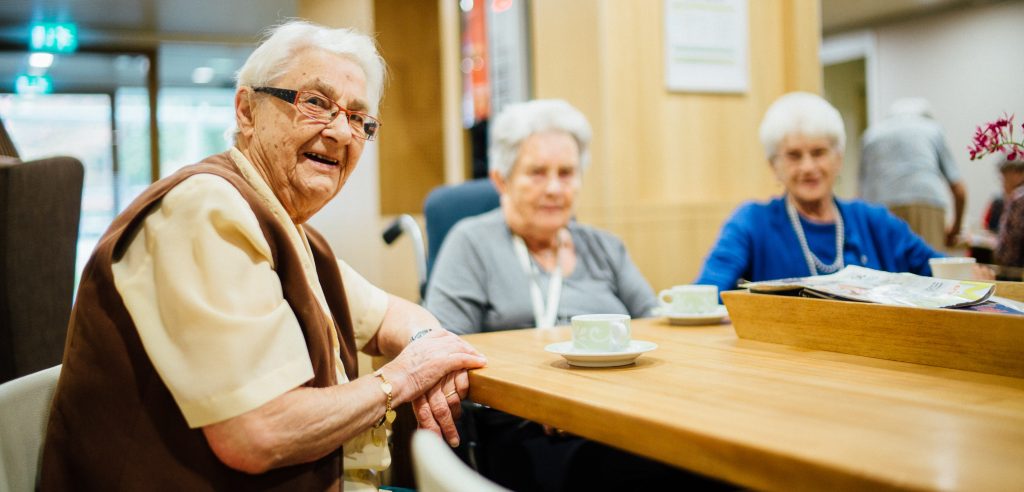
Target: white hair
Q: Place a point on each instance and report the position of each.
(801, 113)
(911, 106)
(518, 121)
(272, 58)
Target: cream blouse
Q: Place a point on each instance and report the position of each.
(199, 282)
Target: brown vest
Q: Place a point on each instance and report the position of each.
(114, 424)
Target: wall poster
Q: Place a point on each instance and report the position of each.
(706, 46)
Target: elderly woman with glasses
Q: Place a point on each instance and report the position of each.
(528, 264)
(213, 341)
(808, 231)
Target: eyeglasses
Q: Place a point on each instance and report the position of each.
(324, 110)
(796, 156)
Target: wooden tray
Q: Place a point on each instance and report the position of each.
(1010, 290)
(971, 341)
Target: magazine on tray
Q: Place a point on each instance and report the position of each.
(856, 283)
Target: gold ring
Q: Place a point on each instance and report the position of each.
(453, 393)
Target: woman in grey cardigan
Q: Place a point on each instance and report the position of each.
(527, 264)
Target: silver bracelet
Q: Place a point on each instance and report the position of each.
(419, 334)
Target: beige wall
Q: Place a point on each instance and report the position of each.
(350, 220)
(668, 168)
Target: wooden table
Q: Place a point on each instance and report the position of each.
(769, 416)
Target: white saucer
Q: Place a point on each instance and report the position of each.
(601, 359)
(687, 319)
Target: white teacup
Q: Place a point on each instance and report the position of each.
(689, 299)
(953, 267)
(600, 332)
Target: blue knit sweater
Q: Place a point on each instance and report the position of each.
(758, 243)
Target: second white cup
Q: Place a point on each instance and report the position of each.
(953, 267)
(690, 299)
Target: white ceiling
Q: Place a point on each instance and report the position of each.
(227, 19)
(185, 34)
(221, 33)
(842, 15)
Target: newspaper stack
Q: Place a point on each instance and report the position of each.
(856, 283)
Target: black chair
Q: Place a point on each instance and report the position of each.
(40, 204)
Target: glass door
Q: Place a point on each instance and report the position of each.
(77, 125)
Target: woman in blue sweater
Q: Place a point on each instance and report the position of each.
(800, 233)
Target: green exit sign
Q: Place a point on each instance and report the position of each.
(33, 84)
(56, 37)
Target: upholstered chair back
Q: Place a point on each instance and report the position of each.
(40, 204)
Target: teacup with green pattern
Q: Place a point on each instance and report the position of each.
(600, 332)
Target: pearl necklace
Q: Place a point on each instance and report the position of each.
(813, 263)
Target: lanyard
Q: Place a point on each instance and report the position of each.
(544, 314)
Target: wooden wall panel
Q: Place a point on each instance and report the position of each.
(411, 142)
(565, 66)
(356, 14)
(668, 168)
(668, 242)
(802, 21)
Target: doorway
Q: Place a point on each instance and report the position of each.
(850, 71)
(846, 89)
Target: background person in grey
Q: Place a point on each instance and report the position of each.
(906, 165)
(538, 153)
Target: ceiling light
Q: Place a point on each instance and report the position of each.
(40, 60)
(202, 75)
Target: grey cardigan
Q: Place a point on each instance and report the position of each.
(478, 285)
